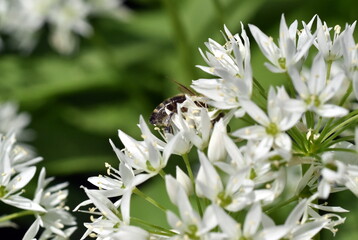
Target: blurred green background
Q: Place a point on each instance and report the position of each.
(125, 69)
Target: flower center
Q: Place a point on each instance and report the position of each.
(313, 100)
(282, 62)
(272, 129)
(192, 229)
(224, 200)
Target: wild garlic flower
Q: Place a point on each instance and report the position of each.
(56, 217)
(148, 155)
(330, 49)
(290, 52)
(109, 225)
(13, 122)
(350, 56)
(335, 175)
(271, 133)
(189, 224)
(315, 90)
(23, 20)
(231, 63)
(15, 177)
(119, 183)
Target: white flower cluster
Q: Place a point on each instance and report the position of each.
(23, 20)
(17, 168)
(295, 144)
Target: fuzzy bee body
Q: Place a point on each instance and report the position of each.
(162, 114)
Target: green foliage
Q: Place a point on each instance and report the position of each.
(125, 69)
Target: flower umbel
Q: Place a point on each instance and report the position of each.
(256, 154)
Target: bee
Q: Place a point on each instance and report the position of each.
(162, 115)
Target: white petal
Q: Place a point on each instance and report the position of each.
(233, 151)
(227, 223)
(103, 204)
(255, 112)
(184, 180)
(125, 206)
(330, 110)
(252, 132)
(21, 180)
(172, 187)
(266, 44)
(23, 203)
(216, 148)
(126, 174)
(308, 230)
(283, 141)
(32, 231)
(209, 220)
(332, 88)
(252, 220)
(296, 214)
(317, 80)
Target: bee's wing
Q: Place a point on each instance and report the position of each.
(185, 89)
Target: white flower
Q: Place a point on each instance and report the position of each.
(56, 216)
(298, 228)
(12, 179)
(233, 194)
(13, 122)
(108, 222)
(254, 226)
(190, 224)
(350, 56)
(231, 63)
(287, 54)
(70, 18)
(22, 20)
(122, 183)
(271, 132)
(147, 155)
(315, 91)
(336, 174)
(331, 49)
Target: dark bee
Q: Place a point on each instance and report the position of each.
(160, 118)
(162, 114)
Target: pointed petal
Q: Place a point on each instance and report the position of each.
(330, 110)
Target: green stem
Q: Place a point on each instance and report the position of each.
(340, 150)
(291, 87)
(328, 143)
(16, 215)
(181, 37)
(162, 174)
(282, 204)
(346, 95)
(260, 88)
(351, 117)
(149, 199)
(162, 231)
(191, 176)
(329, 66)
